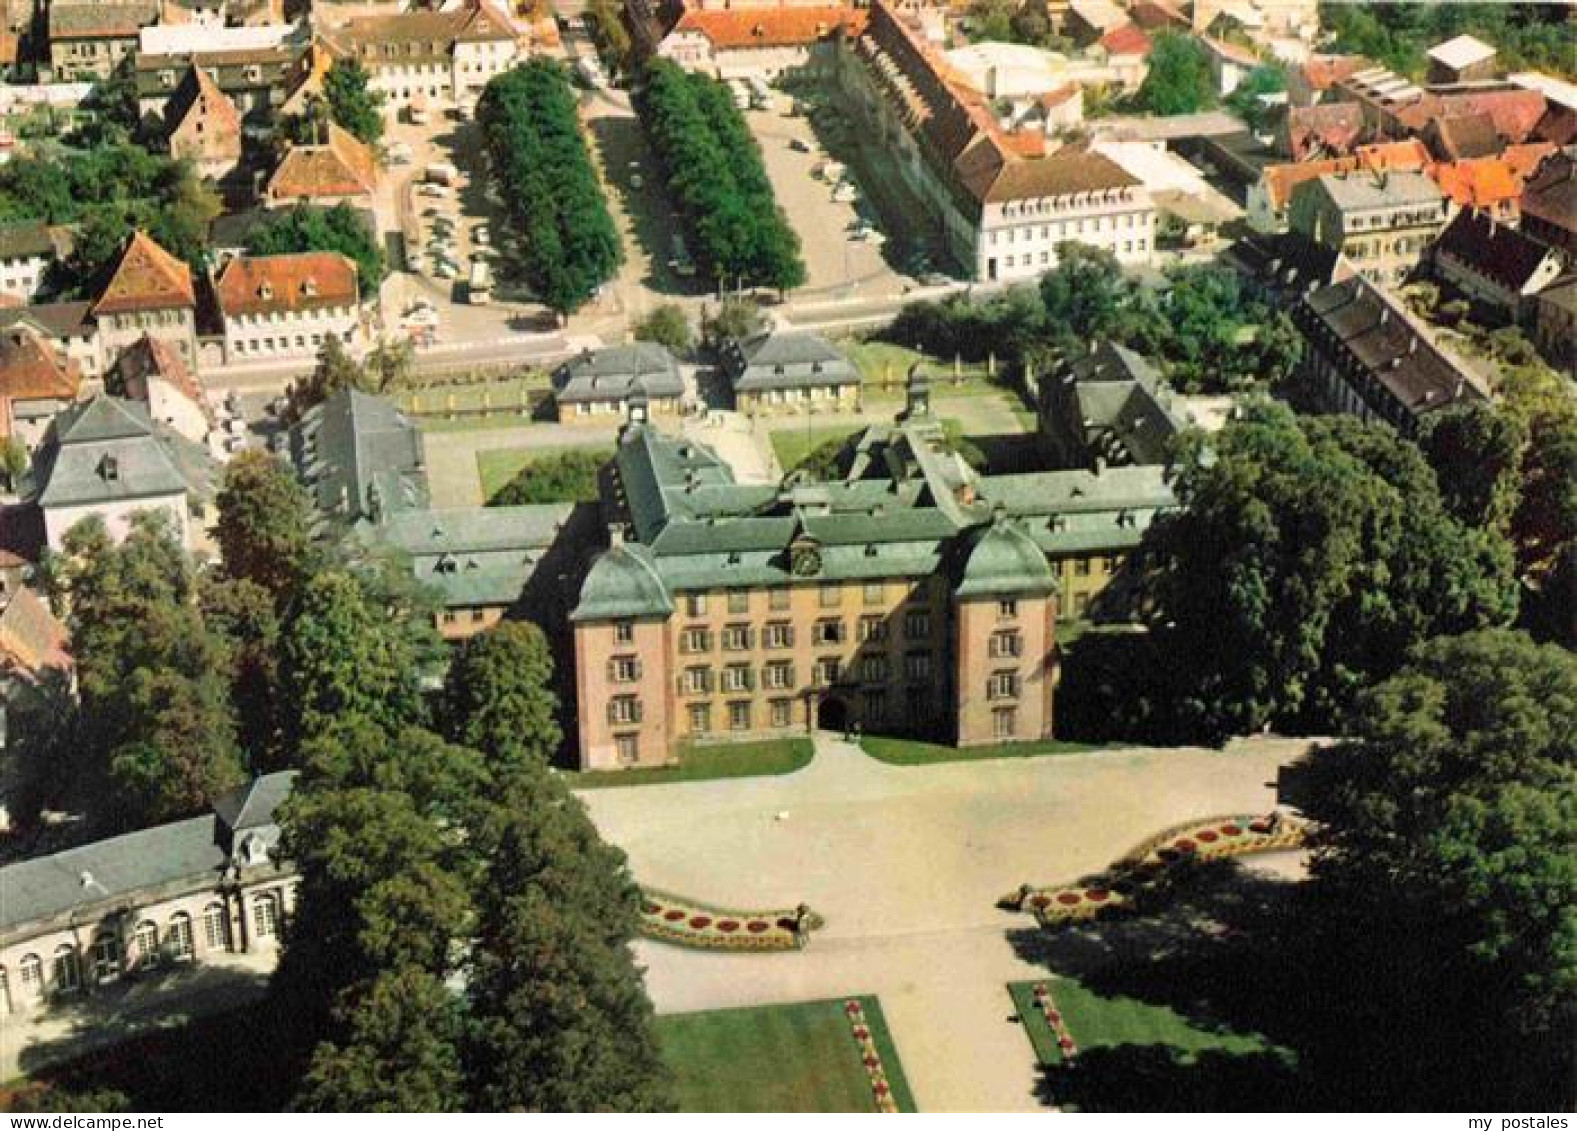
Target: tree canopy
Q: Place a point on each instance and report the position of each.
(1527, 36)
(563, 477)
(667, 326)
(714, 172)
(1178, 80)
(568, 245)
(498, 694)
(1443, 879)
(338, 228)
(1308, 556)
(352, 102)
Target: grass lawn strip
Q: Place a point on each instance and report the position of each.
(790, 1058)
(708, 763)
(908, 752)
(1101, 1022)
(496, 467)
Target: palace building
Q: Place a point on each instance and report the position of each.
(911, 595)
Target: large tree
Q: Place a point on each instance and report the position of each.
(341, 654)
(556, 213)
(264, 528)
(561, 1021)
(1444, 886)
(1306, 558)
(340, 228)
(1178, 80)
(158, 731)
(498, 695)
(353, 103)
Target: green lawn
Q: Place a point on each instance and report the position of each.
(497, 466)
(799, 1057)
(704, 763)
(1100, 1022)
(792, 444)
(910, 752)
(883, 363)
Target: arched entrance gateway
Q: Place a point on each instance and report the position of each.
(832, 713)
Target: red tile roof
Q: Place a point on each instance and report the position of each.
(277, 284)
(1514, 112)
(32, 369)
(1395, 156)
(1322, 72)
(736, 28)
(1129, 39)
(149, 355)
(1328, 130)
(31, 638)
(146, 278)
(341, 167)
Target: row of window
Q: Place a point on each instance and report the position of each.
(1028, 259)
(150, 946)
(1067, 228)
(778, 600)
(781, 675)
(245, 346)
(782, 634)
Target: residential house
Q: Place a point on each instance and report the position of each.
(150, 291)
(107, 458)
(1315, 133)
(1463, 137)
(1126, 52)
(1382, 222)
(1310, 81)
(598, 386)
(1157, 15)
(216, 14)
(277, 307)
(256, 69)
(193, 891)
(27, 248)
(1284, 266)
(1089, 20)
(997, 205)
(1230, 63)
(1491, 185)
(340, 170)
(36, 382)
(1108, 408)
(1269, 197)
(1463, 59)
(1549, 203)
(441, 55)
(745, 39)
(152, 374)
(67, 326)
(1366, 355)
(89, 38)
(1513, 112)
(792, 371)
(1555, 321)
(203, 126)
(1493, 264)
(1189, 210)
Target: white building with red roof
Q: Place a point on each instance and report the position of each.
(150, 292)
(278, 307)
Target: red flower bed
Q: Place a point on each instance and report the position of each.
(728, 925)
(672, 919)
(1068, 898)
(1231, 830)
(756, 926)
(700, 922)
(1099, 895)
(881, 1091)
(1208, 836)
(673, 916)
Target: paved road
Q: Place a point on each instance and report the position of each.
(906, 864)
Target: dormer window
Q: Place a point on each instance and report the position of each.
(265, 291)
(109, 469)
(309, 288)
(166, 78)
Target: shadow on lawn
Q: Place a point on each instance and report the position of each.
(1214, 943)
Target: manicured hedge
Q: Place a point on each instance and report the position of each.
(555, 207)
(715, 176)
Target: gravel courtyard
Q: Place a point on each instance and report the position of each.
(906, 864)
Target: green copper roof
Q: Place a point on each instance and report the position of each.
(1005, 560)
(622, 583)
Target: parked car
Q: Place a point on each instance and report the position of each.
(481, 235)
(428, 188)
(845, 193)
(399, 153)
(800, 145)
(443, 173)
